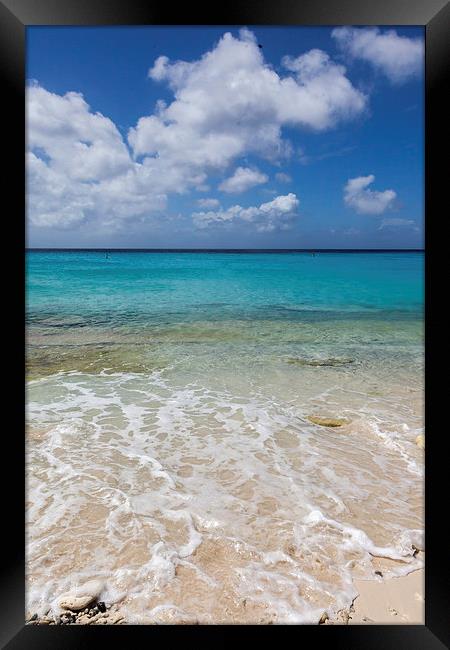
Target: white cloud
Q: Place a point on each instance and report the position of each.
(208, 203)
(398, 57)
(230, 102)
(243, 179)
(226, 104)
(396, 223)
(281, 177)
(274, 215)
(78, 166)
(83, 145)
(366, 201)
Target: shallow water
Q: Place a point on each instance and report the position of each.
(169, 448)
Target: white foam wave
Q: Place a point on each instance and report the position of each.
(135, 476)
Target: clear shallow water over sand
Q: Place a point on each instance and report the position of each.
(169, 448)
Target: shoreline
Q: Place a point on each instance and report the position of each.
(395, 600)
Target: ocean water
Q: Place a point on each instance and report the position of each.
(170, 452)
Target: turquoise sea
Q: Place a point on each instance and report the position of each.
(170, 450)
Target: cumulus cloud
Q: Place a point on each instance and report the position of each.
(79, 166)
(82, 145)
(226, 104)
(243, 179)
(274, 215)
(366, 201)
(398, 57)
(281, 177)
(230, 101)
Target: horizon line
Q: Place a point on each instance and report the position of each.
(229, 250)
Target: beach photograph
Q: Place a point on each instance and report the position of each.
(225, 325)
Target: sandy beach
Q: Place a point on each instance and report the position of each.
(389, 601)
(394, 601)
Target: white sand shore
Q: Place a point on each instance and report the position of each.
(380, 602)
(387, 601)
(397, 600)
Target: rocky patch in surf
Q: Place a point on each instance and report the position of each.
(83, 607)
(329, 363)
(96, 613)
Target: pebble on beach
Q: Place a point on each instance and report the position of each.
(420, 441)
(82, 596)
(327, 422)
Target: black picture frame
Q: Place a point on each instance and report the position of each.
(15, 16)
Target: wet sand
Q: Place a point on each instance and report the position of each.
(394, 601)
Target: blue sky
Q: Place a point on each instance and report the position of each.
(200, 137)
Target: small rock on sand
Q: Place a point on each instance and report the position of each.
(327, 422)
(420, 441)
(82, 596)
(75, 603)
